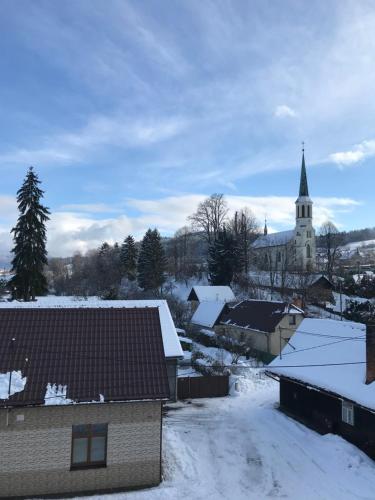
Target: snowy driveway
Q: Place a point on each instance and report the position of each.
(243, 448)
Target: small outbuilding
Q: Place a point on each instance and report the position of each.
(208, 314)
(327, 379)
(81, 397)
(202, 293)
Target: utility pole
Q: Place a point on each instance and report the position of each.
(340, 300)
(11, 365)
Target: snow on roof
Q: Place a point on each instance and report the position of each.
(17, 383)
(172, 346)
(274, 239)
(213, 293)
(207, 313)
(327, 341)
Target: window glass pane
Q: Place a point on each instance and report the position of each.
(80, 450)
(99, 428)
(81, 429)
(98, 449)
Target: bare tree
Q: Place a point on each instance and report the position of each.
(245, 229)
(330, 240)
(210, 216)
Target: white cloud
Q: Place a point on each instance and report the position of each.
(283, 111)
(359, 152)
(99, 132)
(74, 231)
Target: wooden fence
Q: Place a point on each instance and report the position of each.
(203, 387)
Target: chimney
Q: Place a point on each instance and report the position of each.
(370, 354)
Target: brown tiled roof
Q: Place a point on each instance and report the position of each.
(261, 315)
(114, 352)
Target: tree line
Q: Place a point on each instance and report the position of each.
(213, 244)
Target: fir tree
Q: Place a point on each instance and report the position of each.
(29, 234)
(128, 257)
(222, 259)
(151, 262)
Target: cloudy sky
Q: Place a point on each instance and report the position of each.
(134, 111)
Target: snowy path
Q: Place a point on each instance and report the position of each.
(243, 448)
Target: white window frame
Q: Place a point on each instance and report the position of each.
(347, 412)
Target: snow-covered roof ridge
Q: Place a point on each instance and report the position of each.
(216, 293)
(328, 343)
(172, 346)
(274, 239)
(207, 313)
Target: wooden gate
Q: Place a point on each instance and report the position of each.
(203, 387)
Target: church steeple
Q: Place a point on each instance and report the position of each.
(303, 187)
(265, 231)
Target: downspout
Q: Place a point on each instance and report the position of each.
(161, 442)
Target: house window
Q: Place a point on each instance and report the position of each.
(89, 445)
(347, 413)
(292, 319)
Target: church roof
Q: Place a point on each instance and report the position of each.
(303, 187)
(274, 239)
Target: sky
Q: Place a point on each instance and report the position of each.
(132, 112)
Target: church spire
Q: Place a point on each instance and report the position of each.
(265, 231)
(303, 187)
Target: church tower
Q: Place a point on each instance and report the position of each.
(304, 241)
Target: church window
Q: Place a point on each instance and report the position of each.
(308, 251)
(303, 211)
(278, 256)
(308, 211)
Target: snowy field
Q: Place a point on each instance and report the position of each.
(242, 447)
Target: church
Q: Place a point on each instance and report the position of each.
(293, 250)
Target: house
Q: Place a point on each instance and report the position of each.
(81, 397)
(314, 286)
(172, 346)
(265, 325)
(208, 314)
(327, 375)
(206, 293)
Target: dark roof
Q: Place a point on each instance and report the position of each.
(114, 352)
(261, 315)
(303, 187)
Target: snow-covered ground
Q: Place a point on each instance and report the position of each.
(244, 448)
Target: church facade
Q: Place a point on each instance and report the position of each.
(293, 250)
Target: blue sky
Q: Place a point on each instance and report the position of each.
(134, 111)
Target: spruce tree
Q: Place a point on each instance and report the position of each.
(29, 234)
(151, 262)
(222, 259)
(128, 258)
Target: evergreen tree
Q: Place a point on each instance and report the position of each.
(29, 234)
(151, 262)
(128, 257)
(222, 259)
